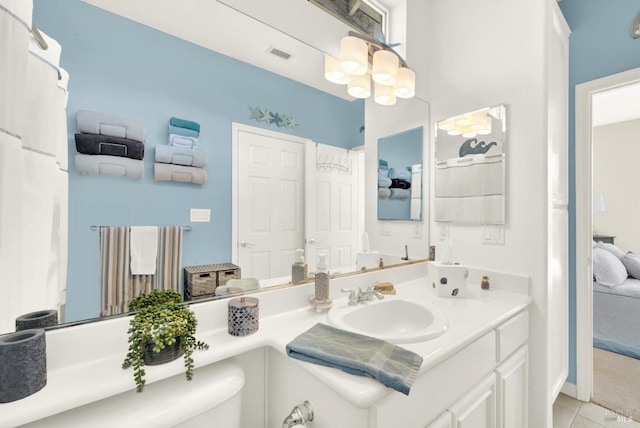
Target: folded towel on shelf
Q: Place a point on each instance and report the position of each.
(383, 164)
(91, 122)
(383, 172)
(109, 165)
(93, 144)
(183, 123)
(398, 183)
(178, 155)
(402, 174)
(400, 193)
(357, 354)
(183, 131)
(185, 174)
(384, 181)
(384, 192)
(182, 141)
(143, 243)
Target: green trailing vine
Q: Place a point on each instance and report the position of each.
(161, 317)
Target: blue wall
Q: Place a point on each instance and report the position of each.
(121, 67)
(600, 45)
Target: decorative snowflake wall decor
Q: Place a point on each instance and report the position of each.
(264, 115)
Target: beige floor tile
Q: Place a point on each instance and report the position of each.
(582, 422)
(562, 417)
(568, 403)
(606, 417)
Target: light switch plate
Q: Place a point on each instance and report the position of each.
(493, 234)
(200, 215)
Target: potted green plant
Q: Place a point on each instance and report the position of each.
(162, 329)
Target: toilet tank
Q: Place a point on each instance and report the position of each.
(211, 399)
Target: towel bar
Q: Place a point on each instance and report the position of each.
(94, 228)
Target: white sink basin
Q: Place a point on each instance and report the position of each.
(392, 319)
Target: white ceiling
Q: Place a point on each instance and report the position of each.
(246, 30)
(616, 105)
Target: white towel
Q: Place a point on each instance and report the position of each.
(470, 176)
(183, 141)
(109, 165)
(144, 249)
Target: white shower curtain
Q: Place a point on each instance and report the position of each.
(33, 168)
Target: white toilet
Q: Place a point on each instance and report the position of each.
(212, 399)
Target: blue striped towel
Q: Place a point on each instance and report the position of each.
(357, 354)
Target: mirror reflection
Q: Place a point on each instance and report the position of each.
(400, 176)
(175, 78)
(470, 167)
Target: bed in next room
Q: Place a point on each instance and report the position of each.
(616, 300)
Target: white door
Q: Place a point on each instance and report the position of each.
(269, 206)
(332, 206)
(477, 409)
(513, 390)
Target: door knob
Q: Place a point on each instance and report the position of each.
(312, 241)
(247, 244)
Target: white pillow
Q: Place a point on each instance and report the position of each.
(611, 248)
(607, 268)
(631, 262)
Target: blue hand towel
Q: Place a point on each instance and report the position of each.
(183, 123)
(357, 354)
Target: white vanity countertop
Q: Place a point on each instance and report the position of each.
(84, 362)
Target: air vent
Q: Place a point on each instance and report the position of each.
(279, 53)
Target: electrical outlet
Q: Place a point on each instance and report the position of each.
(385, 229)
(444, 230)
(417, 232)
(200, 215)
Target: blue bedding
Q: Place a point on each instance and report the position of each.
(616, 320)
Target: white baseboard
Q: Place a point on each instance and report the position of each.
(570, 389)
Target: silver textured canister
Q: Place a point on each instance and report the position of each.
(243, 316)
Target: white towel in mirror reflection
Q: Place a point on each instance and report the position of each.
(144, 249)
(470, 189)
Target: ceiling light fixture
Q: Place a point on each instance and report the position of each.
(363, 59)
(468, 125)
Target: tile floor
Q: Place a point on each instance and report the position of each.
(571, 413)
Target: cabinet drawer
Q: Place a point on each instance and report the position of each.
(511, 335)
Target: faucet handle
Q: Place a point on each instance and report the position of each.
(372, 286)
(353, 295)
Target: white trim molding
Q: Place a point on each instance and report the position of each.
(585, 93)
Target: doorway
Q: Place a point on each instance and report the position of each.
(288, 193)
(586, 94)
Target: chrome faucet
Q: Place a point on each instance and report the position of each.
(362, 296)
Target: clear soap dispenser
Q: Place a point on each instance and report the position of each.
(299, 269)
(321, 299)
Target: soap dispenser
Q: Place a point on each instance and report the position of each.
(299, 269)
(321, 298)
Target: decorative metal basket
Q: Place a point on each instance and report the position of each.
(165, 355)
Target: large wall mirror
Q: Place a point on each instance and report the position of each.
(470, 167)
(180, 78)
(400, 176)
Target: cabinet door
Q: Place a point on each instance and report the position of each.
(444, 421)
(512, 385)
(478, 408)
